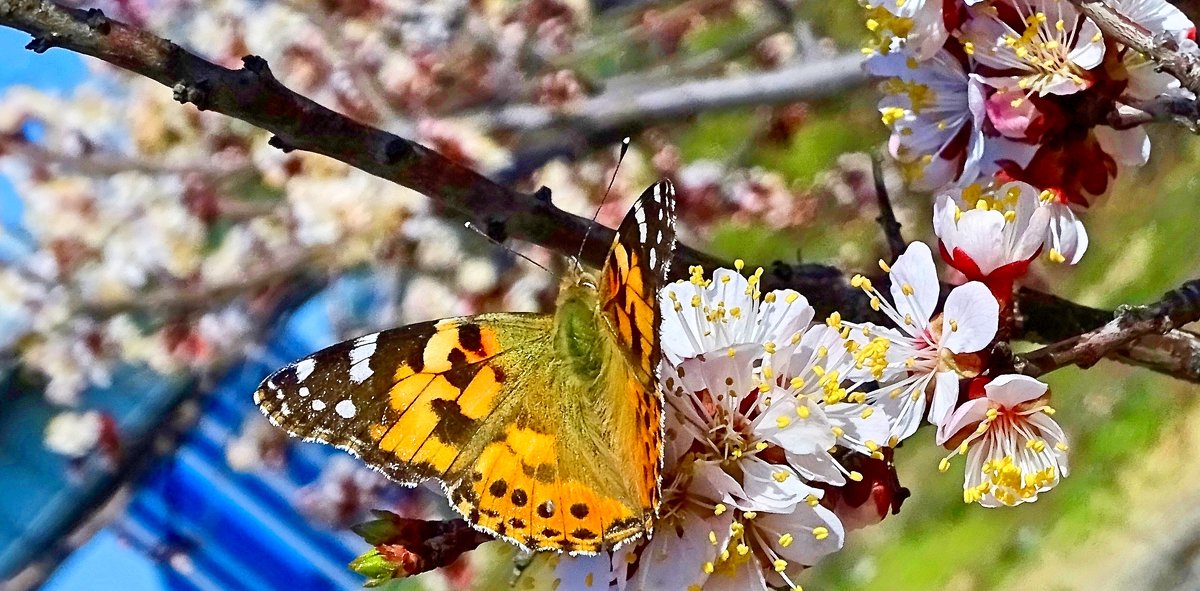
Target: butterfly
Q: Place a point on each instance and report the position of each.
(544, 429)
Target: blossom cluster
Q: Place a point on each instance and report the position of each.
(769, 429)
(780, 428)
(156, 236)
(980, 93)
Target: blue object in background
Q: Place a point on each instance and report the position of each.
(193, 522)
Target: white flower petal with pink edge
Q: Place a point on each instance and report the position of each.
(985, 228)
(1014, 450)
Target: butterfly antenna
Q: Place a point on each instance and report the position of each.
(472, 227)
(592, 223)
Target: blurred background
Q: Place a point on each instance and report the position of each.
(156, 262)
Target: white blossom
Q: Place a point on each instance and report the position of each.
(1014, 449)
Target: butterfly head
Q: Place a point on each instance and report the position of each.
(577, 278)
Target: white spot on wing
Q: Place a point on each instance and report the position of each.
(304, 368)
(304, 392)
(359, 372)
(318, 405)
(653, 257)
(346, 409)
(360, 358)
(285, 410)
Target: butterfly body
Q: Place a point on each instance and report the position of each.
(544, 429)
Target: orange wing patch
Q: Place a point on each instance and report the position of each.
(439, 400)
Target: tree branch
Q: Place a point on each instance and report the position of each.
(106, 164)
(1165, 108)
(1163, 48)
(175, 300)
(253, 95)
(1176, 308)
(887, 216)
(621, 108)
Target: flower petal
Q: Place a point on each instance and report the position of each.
(915, 273)
(945, 395)
(674, 558)
(970, 318)
(1011, 390)
(964, 417)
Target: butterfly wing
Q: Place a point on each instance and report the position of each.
(409, 400)
(634, 272)
(491, 407)
(482, 404)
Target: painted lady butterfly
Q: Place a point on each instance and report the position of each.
(544, 429)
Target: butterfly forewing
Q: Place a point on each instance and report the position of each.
(403, 399)
(634, 272)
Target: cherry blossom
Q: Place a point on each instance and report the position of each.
(991, 234)
(936, 113)
(919, 363)
(1014, 449)
(1033, 46)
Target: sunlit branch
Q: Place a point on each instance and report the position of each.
(624, 107)
(1177, 308)
(1162, 48)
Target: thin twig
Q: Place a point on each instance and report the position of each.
(253, 95)
(1165, 108)
(887, 217)
(174, 300)
(106, 164)
(1176, 308)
